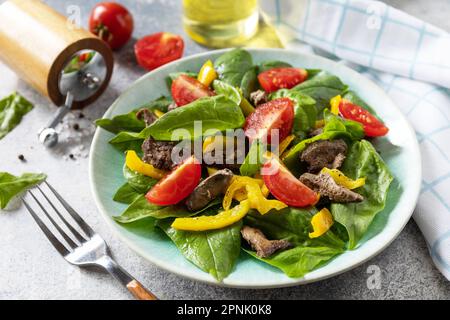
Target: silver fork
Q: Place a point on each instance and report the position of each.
(87, 249)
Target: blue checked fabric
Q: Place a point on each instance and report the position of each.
(410, 60)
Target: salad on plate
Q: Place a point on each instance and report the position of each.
(268, 159)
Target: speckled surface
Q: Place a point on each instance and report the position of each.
(31, 268)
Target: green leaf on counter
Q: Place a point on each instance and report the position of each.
(215, 113)
(11, 186)
(12, 109)
(363, 161)
(214, 251)
(233, 65)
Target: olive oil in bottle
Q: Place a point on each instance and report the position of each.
(220, 23)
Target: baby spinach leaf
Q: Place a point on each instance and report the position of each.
(215, 113)
(12, 109)
(126, 194)
(305, 112)
(254, 159)
(140, 209)
(227, 90)
(322, 87)
(271, 64)
(233, 65)
(11, 186)
(125, 141)
(363, 161)
(298, 261)
(214, 251)
(138, 181)
(249, 82)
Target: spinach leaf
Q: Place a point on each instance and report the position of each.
(126, 194)
(294, 225)
(125, 141)
(138, 181)
(227, 90)
(215, 251)
(140, 209)
(322, 87)
(335, 127)
(233, 65)
(270, 64)
(305, 112)
(249, 82)
(254, 159)
(363, 161)
(129, 122)
(12, 109)
(215, 113)
(123, 122)
(298, 261)
(11, 186)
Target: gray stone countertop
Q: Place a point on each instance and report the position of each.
(31, 269)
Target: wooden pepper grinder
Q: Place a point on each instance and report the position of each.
(69, 65)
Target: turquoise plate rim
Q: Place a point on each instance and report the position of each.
(250, 273)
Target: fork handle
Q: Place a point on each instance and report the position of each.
(134, 286)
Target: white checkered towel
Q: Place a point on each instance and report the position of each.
(410, 60)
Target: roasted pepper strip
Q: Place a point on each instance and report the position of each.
(158, 113)
(321, 223)
(220, 220)
(285, 144)
(253, 193)
(207, 73)
(341, 179)
(334, 103)
(133, 162)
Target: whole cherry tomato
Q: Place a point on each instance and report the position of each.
(112, 22)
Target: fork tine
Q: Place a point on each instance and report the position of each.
(54, 241)
(68, 225)
(69, 241)
(83, 225)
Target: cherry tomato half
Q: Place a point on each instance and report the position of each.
(275, 114)
(186, 89)
(281, 78)
(158, 49)
(112, 22)
(177, 185)
(372, 126)
(285, 186)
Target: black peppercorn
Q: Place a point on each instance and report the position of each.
(21, 157)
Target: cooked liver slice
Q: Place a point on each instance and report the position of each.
(324, 184)
(258, 241)
(209, 189)
(321, 154)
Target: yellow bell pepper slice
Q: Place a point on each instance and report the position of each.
(220, 220)
(133, 162)
(254, 194)
(334, 103)
(211, 171)
(321, 223)
(341, 179)
(207, 73)
(158, 113)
